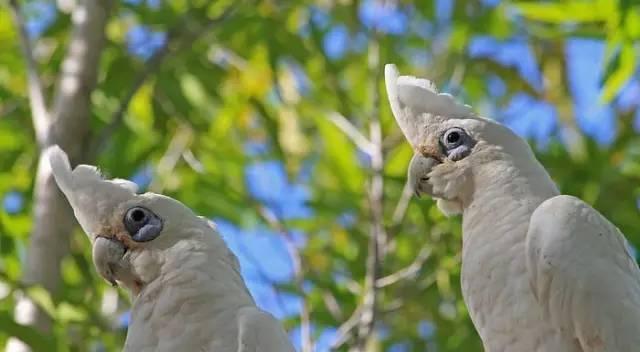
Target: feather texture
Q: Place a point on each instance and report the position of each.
(187, 290)
(541, 272)
(416, 103)
(61, 168)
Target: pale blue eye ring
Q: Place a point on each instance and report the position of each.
(456, 143)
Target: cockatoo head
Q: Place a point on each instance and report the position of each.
(453, 147)
(131, 234)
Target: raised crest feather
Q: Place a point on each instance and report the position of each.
(422, 95)
(82, 175)
(84, 185)
(60, 167)
(415, 102)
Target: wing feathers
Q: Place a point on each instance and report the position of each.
(583, 275)
(260, 332)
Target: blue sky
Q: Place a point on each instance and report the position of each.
(262, 253)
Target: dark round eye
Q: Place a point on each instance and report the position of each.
(142, 224)
(137, 216)
(453, 137)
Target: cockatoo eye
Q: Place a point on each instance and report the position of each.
(137, 216)
(142, 224)
(453, 138)
(456, 143)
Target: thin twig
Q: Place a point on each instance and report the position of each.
(407, 272)
(177, 145)
(37, 101)
(392, 141)
(153, 64)
(378, 234)
(332, 305)
(403, 204)
(344, 332)
(455, 83)
(352, 132)
(192, 161)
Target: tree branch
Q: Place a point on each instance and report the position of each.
(352, 132)
(177, 145)
(332, 305)
(77, 79)
(344, 333)
(403, 204)
(378, 234)
(67, 126)
(37, 102)
(407, 272)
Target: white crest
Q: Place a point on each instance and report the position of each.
(91, 196)
(416, 102)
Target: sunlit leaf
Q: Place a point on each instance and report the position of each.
(623, 66)
(568, 11)
(36, 340)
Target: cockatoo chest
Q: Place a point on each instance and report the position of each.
(187, 310)
(496, 290)
(181, 323)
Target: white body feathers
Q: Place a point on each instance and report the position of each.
(541, 272)
(199, 302)
(187, 291)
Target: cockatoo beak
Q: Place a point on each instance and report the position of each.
(107, 258)
(418, 176)
(420, 111)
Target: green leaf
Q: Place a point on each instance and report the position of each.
(193, 90)
(140, 117)
(622, 68)
(43, 299)
(340, 157)
(33, 338)
(68, 313)
(569, 11)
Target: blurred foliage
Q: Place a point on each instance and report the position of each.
(268, 76)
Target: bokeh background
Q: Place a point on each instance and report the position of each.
(270, 117)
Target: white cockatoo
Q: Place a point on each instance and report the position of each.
(186, 287)
(541, 272)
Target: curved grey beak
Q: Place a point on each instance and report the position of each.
(107, 257)
(110, 260)
(419, 169)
